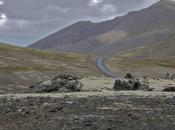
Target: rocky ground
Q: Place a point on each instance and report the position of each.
(89, 103)
(88, 111)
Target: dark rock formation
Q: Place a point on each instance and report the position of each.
(145, 87)
(167, 76)
(122, 85)
(130, 84)
(125, 84)
(169, 89)
(60, 83)
(172, 76)
(129, 76)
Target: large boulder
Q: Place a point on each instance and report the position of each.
(60, 83)
(130, 84)
(126, 84)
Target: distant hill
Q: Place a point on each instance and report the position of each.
(135, 29)
(152, 60)
(22, 67)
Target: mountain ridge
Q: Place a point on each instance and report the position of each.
(121, 33)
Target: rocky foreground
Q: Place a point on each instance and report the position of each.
(67, 102)
(88, 111)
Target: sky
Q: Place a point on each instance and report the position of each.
(23, 22)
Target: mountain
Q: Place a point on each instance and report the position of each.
(22, 67)
(135, 29)
(66, 38)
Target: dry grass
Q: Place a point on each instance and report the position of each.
(24, 66)
(153, 60)
(26, 59)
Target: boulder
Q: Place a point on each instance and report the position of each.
(122, 84)
(167, 76)
(130, 84)
(172, 76)
(145, 87)
(169, 89)
(129, 76)
(60, 83)
(43, 86)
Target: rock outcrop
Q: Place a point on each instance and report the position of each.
(60, 83)
(130, 83)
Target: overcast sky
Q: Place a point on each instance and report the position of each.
(25, 21)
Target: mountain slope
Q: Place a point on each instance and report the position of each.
(64, 39)
(21, 67)
(135, 29)
(153, 60)
(143, 27)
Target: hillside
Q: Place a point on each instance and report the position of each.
(120, 34)
(21, 67)
(68, 37)
(153, 60)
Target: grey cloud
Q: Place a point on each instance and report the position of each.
(29, 20)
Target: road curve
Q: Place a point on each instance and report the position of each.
(100, 63)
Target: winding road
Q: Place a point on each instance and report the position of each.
(100, 63)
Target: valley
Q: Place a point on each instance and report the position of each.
(117, 74)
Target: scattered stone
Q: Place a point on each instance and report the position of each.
(23, 111)
(129, 76)
(172, 76)
(167, 76)
(144, 87)
(56, 109)
(69, 102)
(88, 123)
(44, 86)
(145, 77)
(60, 83)
(169, 89)
(151, 89)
